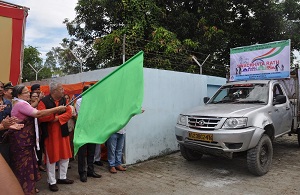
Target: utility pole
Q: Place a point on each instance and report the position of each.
(200, 65)
(124, 39)
(36, 72)
(79, 60)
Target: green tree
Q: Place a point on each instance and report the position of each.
(171, 32)
(32, 57)
(63, 61)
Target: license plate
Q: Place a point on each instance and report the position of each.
(201, 136)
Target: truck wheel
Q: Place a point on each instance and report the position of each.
(190, 154)
(259, 158)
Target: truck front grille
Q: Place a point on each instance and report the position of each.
(203, 123)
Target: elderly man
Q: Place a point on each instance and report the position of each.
(57, 141)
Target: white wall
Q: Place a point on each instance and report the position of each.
(84, 76)
(166, 95)
(213, 84)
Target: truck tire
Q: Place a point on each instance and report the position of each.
(190, 154)
(259, 158)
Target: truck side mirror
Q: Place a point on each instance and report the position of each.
(279, 99)
(205, 99)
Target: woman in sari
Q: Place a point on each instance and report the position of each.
(23, 142)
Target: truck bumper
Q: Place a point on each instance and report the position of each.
(226, 141)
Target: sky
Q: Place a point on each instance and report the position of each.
(44, 26)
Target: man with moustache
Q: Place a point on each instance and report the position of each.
(55, 130)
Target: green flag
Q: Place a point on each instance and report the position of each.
(107, 106)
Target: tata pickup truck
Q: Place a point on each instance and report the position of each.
(241, 116)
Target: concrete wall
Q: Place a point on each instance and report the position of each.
(166, 95)
(80, 77)
(213, 84)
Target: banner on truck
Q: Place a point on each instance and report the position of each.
(261, 61)
(12, 23)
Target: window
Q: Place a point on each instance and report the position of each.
(277, 91)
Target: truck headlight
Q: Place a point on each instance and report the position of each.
(235, 123)
(182, 120)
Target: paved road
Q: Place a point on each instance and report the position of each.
(210, 175)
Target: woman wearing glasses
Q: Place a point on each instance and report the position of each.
(34, 99)
(23, 142)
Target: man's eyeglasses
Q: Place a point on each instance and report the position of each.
(34, 96)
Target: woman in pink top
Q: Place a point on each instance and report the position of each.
(22, 143)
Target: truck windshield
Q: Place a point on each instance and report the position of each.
(241, 93)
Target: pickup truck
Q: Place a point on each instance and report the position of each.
(243, 116)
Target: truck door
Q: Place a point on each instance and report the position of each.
(281, 113)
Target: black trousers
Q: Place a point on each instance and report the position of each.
(86, 156)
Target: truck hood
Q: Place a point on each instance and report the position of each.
(223, 110)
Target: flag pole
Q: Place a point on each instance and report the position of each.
(71, 102)
(79, 96)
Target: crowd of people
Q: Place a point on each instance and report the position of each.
(35, 128)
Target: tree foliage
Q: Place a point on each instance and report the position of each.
(32, 57)
(172, 32)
